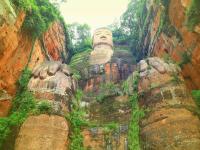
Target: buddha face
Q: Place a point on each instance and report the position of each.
(102, 36)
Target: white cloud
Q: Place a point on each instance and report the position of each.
(96, 13)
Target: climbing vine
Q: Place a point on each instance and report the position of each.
(76, 119)
(137, 113)
(193, 14)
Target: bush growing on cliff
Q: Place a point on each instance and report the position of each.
(137, 113)
(39, 15)
(185, 58)
(76, 119)
(196, 96)
(193, 14)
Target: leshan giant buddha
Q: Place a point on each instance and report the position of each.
(102, 47)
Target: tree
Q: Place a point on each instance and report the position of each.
(80, 36)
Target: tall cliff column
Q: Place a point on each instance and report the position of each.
(170, 121)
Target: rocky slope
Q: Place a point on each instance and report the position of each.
(168, 35)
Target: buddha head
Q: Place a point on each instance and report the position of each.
(102, 36)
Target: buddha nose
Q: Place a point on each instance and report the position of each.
(103, 37)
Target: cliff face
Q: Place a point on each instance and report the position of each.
(170, 122)
(15, 47)
(168, 35)
(55, 42)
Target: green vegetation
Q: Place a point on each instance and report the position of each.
(39, 15)
(44, 107)
(77, 121)
(176, 79)
(193, 14)
(23, 103)
(165, 23)
(80, 36)
(107, 90)
(186, 57)
(196, 96)
(79, 64)
(137, 113)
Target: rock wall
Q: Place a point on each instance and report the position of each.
(120, 66)
(15, 46)
(170, 122)
(175, 39)
(55, 41)
(43, 132)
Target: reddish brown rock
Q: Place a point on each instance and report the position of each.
(43, 132)
(98, 139)
(15, 47)
(55, 42)
(53, 81)
(175, 44)
(5, 106)
(171, 122)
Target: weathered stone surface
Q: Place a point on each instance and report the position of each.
(53, 81)
(143, 65)
(5, 103)
(55, 42)
(15, 48)
(176, 39)
(97, 139)
(7, 13)
(170, 122)
(102, 44)
(49, 77)
(43, 132)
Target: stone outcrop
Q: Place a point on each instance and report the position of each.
(53, 81)
(55, 42)
(170, 122)
(43, 133)
(175, 39)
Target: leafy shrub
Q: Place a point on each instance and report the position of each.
(196, 96)
(76, 119)
(193, 14)
(125, 88)
(137, 113)
(107, 90)
(110, 127)
(39, 15)
(134, 130)
(44, 107)
(185, 58)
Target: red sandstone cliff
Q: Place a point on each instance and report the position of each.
(16, 45)
(177, 42)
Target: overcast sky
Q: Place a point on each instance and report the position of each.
(96, 13)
